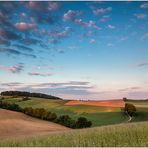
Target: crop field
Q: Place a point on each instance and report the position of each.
(18, 124)
(107, 103)
(99, 115)
(121, 135)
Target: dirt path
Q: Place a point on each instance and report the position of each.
(14, 124)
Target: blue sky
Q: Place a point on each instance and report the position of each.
(75, 50)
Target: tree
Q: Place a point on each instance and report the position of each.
(82, 122)
(124, 99)
(130, 109)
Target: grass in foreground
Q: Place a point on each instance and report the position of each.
(128, 134)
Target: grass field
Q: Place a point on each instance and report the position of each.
(121, 135)
(99, 115)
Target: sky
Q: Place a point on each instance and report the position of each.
(75, 50)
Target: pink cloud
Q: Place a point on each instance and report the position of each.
(87, 24)
(25, 26)
(140, 16)
(102, 10)
(53, 6)
(39, 74)
(104, 18)
(110, 44)
(16, 68)
(22, 14)
(62, 34)
(145, 5)
(92, 41)
(111, 27)
(143, 64)
(144, 36)
(72, 15)
(44, 6)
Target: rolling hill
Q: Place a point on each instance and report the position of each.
(15, 124)
(99, 115)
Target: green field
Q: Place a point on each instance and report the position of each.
(122, 135)
(98, 115)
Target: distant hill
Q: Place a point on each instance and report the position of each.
(28, 94)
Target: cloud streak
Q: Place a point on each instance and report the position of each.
(143, 64)
(102, 10)
(39, 74)
(16, 68)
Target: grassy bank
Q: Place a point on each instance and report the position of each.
(127, 134)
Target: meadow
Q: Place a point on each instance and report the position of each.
(99, 115)
(121, 135)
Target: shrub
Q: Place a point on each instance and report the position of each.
(66, 121)
(10, 106)
(82, 122)
(40, 113)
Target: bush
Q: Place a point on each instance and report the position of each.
(10, 106)
(130, 109)
(40, 113)
(66, 121)
(82, 122)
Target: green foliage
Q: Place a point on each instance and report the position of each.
(130, 109)
(40, 113)
(10, 106)
(66, 121)
(82, 122)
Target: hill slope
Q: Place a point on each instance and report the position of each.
(14, 124)
(122, 135)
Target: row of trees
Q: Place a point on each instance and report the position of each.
(10, 106)
(43, 114)
(40, 113)
(27, 94)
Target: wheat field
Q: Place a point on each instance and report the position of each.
(121, 135)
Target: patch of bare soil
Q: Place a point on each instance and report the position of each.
(109, 103)
(15, 124)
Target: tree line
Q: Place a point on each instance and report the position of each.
(43, 114)
(27, 94)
